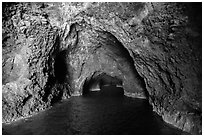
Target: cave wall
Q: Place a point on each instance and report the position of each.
(163, 42)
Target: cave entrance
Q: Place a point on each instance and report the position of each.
(104, 83)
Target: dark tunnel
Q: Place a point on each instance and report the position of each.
(60, 67)
(100, 81)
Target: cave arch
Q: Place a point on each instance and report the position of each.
(99, 79)
(132, 83)
(97, 51)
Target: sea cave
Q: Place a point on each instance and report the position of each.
(101, 68)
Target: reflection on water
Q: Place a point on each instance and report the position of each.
(105, 112)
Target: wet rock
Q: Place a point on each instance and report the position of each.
(50, 50)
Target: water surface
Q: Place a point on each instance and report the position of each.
(106, 112)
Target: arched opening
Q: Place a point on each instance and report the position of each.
(103, 83)
(113, 59)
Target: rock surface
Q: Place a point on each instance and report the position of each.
(49, 50)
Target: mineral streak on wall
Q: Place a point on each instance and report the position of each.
(51, 51)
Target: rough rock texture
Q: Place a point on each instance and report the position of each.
(50, 50)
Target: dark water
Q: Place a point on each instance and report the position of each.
(97, 113)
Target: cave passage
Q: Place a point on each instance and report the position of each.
(100, 81)
(97, 51)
